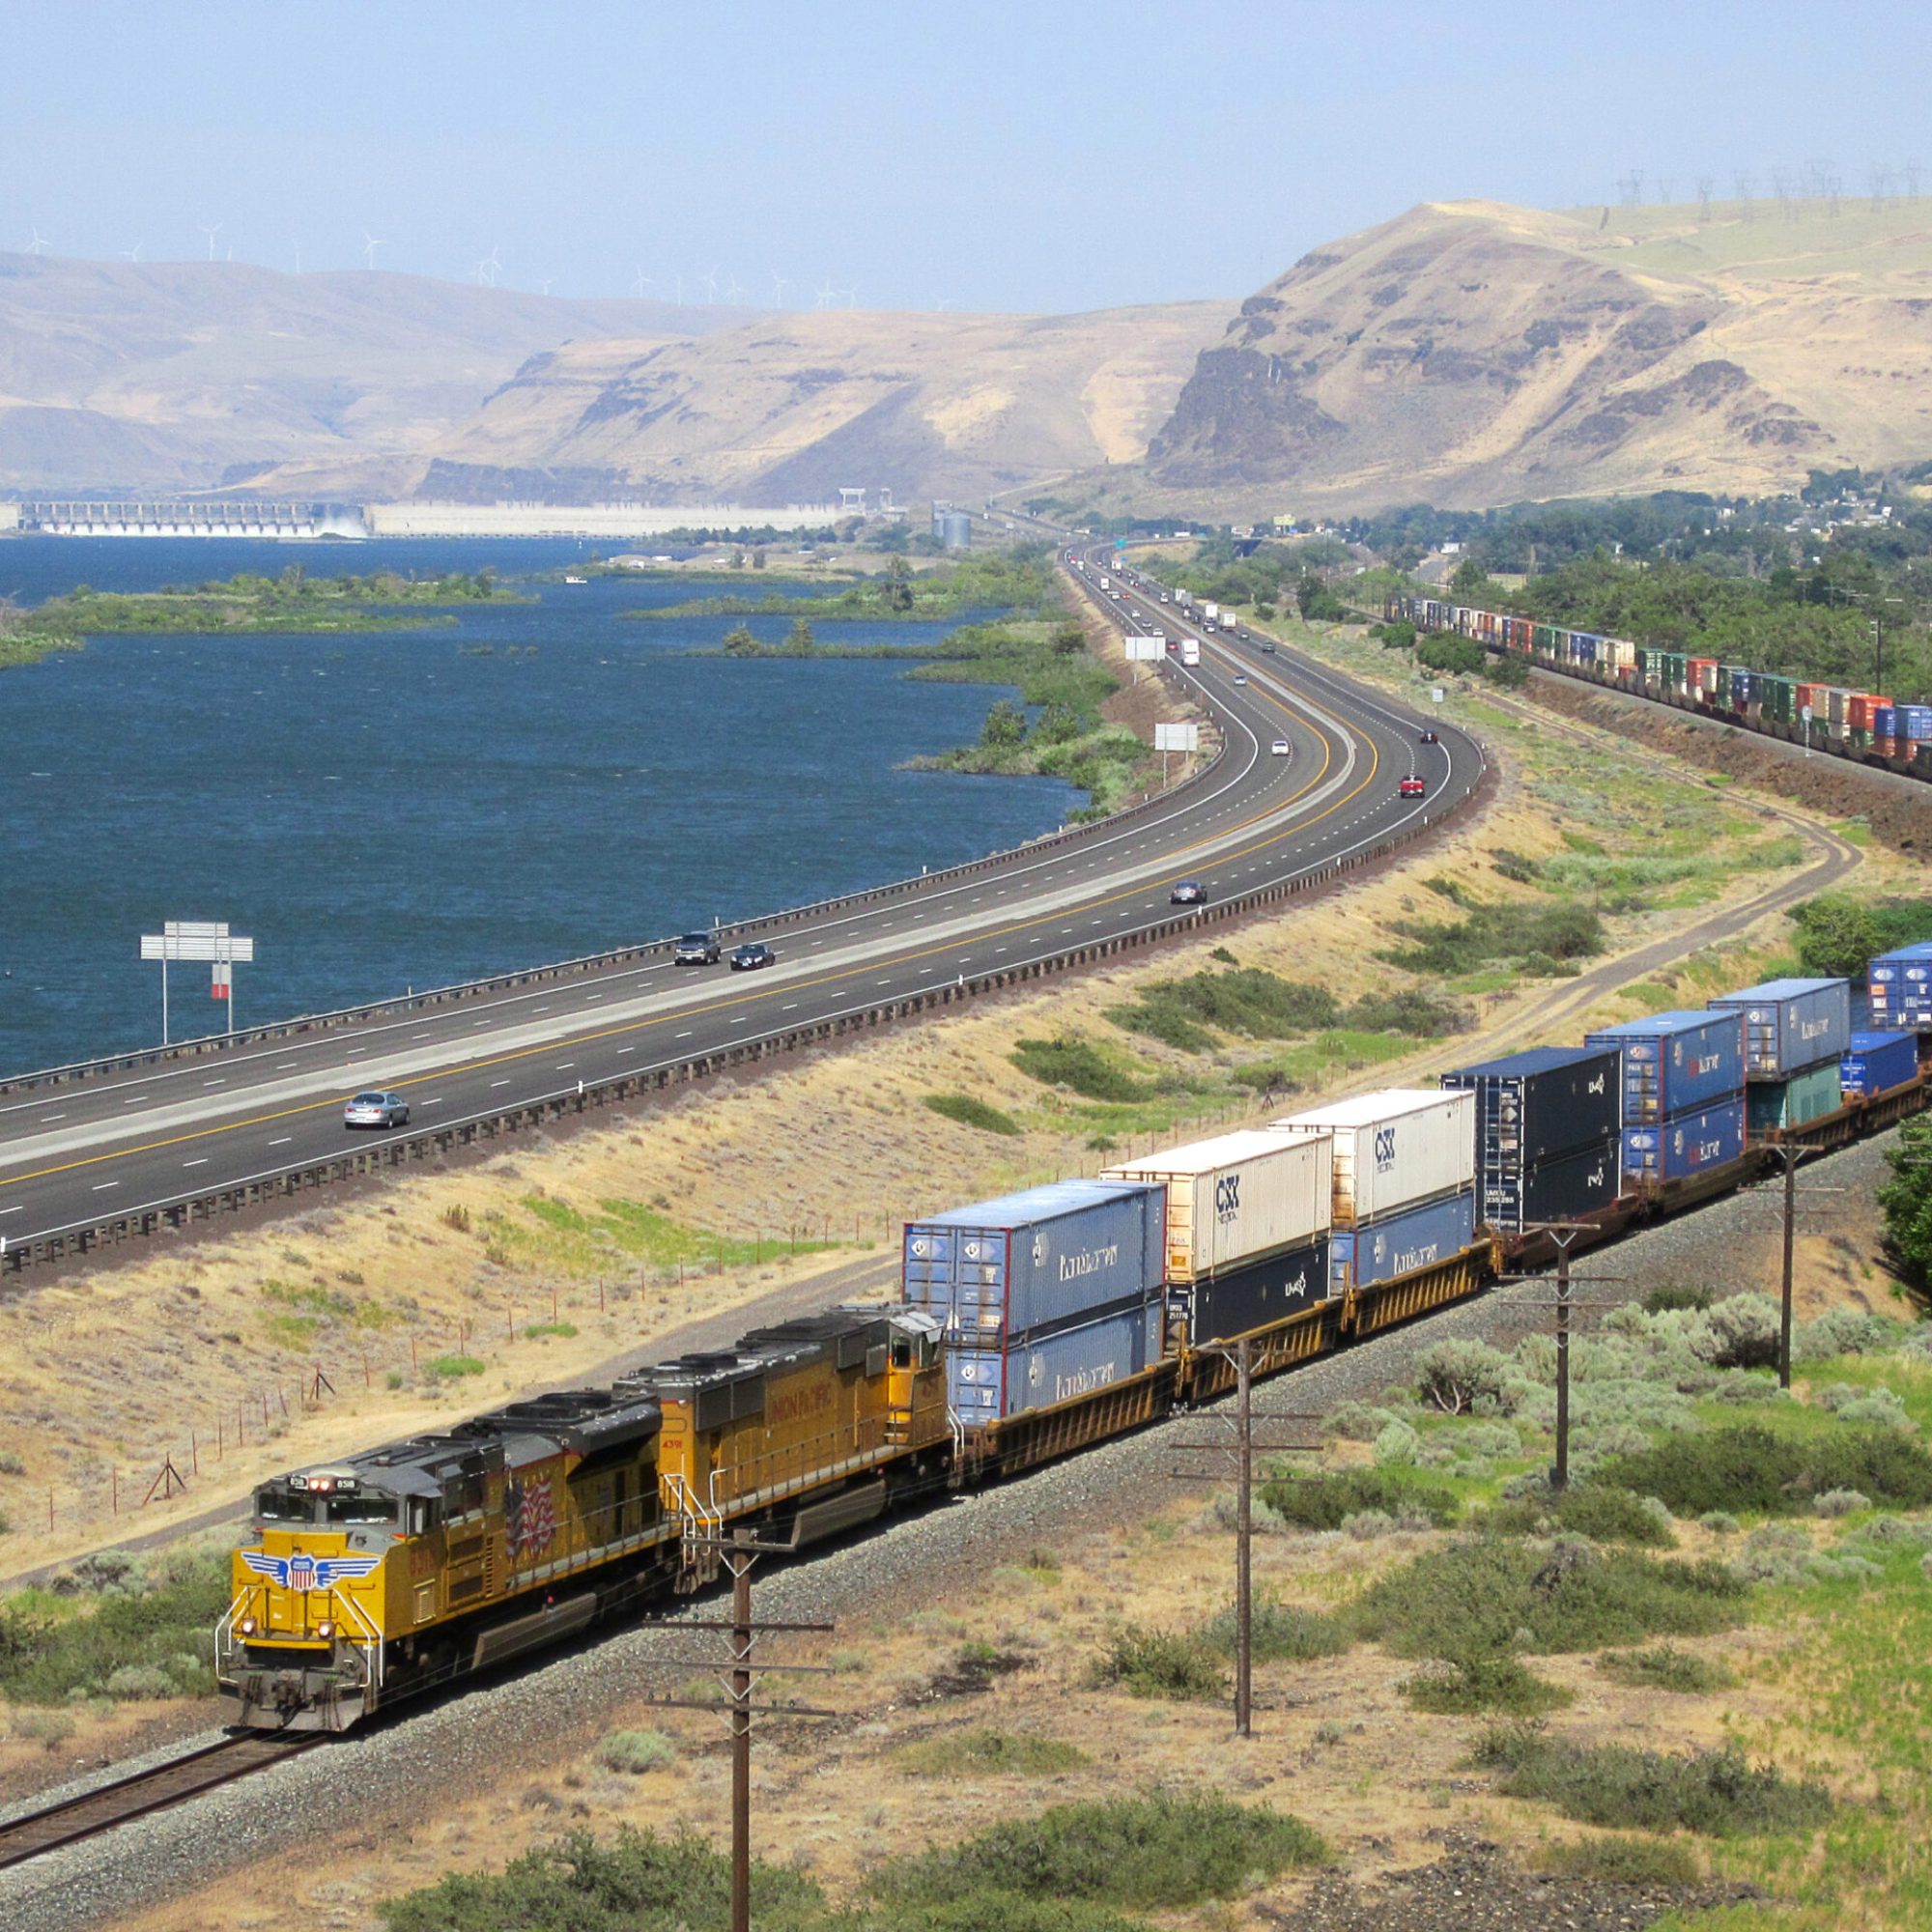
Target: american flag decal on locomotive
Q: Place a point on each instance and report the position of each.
(303, 1572)
(529, 1516)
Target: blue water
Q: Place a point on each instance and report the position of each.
(398, 808)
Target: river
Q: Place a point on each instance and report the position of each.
(416, 808)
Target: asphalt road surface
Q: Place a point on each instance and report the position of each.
(150, 1137)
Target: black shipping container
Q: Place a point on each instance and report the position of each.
(1252, 1297)
(1562, 1189)
(1547, 1101)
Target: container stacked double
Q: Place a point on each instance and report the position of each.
(1901, 985)
(1404, 1179)
(1795, 1032)
(1683, 1091)
(1548, 1134)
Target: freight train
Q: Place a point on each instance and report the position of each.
(1864, 726)
(1028, 1328)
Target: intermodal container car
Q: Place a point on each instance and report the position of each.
(1051, 1366)
(1239, 1197)
(1801, 1096)
(1223, 1306)
(1560, 1187)
(1393, 1149)
(1875, 1062)
(1397, 1244)
(1901, 983)
(1686, 1144)
(1062, 1253)
(1541, 1102)
(1677, 1061)
(1791, 1023)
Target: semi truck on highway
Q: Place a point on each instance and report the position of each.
(1210, 612)
(1190, 650)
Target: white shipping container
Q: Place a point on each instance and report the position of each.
(1239, 1198)
(1394, 1148)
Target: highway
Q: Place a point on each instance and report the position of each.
(75, 1157)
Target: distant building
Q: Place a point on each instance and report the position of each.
(951, 528)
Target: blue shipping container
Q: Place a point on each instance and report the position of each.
(1228, 1305)
(1791, 1023)
(1885, 721)
(1875, 1062)
(1541, 1102)
(1676, 1061)
(1915, 722)
(1414, 1238)
(1901, 987)
(1688, 1144)
(984, 1384)
(1561, 1188)
(1051, 1256)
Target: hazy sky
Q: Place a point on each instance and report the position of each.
(1041, 157)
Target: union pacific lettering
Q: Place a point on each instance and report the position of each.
(1089, 1260)
(796, 1405)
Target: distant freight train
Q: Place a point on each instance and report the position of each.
(1860, 726)
(1027, 1328)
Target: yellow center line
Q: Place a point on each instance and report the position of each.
(461, 1069)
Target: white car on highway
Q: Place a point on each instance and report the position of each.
(1281, 747)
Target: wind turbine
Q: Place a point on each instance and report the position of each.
(735, 292)
(132, 254)
(825, 294)
(779, 287)
(212, 232)
(488, 268)
(851, 298)
(639, 283)
(38, 245)
(547, 281)
(710, 282)
(370, 244)
(680, 291)
(939, 303)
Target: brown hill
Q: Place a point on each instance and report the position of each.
(789, 407)
(144, 378)
(1470, 354)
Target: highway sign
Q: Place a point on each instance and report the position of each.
(1145, 650)
(1176, 737)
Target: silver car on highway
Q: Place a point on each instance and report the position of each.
(375, 1109)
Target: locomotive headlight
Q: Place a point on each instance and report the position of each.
(246, 1626)
(325, 1629)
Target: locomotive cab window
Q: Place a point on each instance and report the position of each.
(361, 1509)
(282, 1506)
(462, 1496)
(424, 1514)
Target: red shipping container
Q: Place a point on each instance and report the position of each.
(1859, 709)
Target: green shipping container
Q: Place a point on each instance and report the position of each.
(1723, 691)
(1812, 1091)
(1646, 661)
(1673, 670)
(1779, 698)
(1543, 640)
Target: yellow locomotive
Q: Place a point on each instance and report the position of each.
(423, 1560)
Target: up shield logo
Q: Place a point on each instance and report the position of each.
(1227, 1198)
(1039, 1251)
(1384, 1148)
(302, 1572)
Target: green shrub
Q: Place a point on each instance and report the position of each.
(142, 1624)
(1754, 1470)
(1162, 1020)
(537, 1331)
(1676, 1295)
(1477, 1595)
(642, 1882)
(1650, 1863)
(1720, 1793)
(1159, 1852)
(1413, 1014)
(452, 1366)
(997, 1753)
(1665, 1668)
(1603, 1513)
(1147, 1662)
(1327, 1501)
(635, 1752)
(1079, 1064)
(1485, 1681)
(971, 1112)
(1455, 1377)
(1279, 1632)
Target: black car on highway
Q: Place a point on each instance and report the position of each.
(750, 957)
(697, 949)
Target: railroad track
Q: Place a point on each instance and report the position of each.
(142, 1792)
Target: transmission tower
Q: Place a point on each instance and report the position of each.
(1911, 173)
(1744, 183)
(1630, 188)
(1704, 184)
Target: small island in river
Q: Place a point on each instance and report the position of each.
(294, 601)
